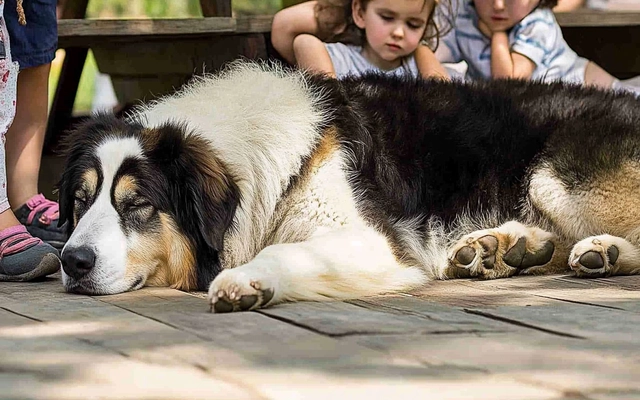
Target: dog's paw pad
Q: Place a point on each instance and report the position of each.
(591, 260)
(465, 255)
(484, 247)
(518, 257)
(226, 298)
(593, 257)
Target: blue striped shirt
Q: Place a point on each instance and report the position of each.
(537, 37)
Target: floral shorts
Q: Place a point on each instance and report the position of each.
(8, 92)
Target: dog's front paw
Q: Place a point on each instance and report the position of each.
(234, 290)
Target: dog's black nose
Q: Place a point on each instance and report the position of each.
(77, 262)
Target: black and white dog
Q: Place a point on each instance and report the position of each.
(266, 185)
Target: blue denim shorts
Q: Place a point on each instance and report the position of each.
(36, 42)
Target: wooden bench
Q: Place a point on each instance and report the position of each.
(152, 57)
(609, 38)
(149, 56)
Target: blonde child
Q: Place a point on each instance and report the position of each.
(378, 35)
(517, 39)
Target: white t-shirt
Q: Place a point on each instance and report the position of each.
(537, 37)
(348, 60)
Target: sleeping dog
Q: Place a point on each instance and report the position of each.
(262, 185)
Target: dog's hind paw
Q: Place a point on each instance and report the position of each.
(596, 256)
(501, 252)
(231, 291)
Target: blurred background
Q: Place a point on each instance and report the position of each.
(94, 91)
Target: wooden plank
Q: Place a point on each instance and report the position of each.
(254, 24)
(86, 349)
(470, 293)
(571, 319)
(595, 18)
(90, 32)
(583, 368)
(619, 292)
(300, 363)
(540, 345)
(339, 319)
(99, 28)
(149, 59)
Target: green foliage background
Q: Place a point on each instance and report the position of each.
(172, 8)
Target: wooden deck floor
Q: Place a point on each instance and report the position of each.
(549, 337)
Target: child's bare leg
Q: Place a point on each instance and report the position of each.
(288, 24)
(25, 137)
(596, 76)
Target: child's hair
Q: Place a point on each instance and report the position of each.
(547, 3)
(335, 22)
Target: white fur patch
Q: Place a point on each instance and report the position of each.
(262, 122)
(548, 193)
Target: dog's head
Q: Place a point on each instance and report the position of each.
(143, 206)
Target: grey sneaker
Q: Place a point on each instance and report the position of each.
(24, 257)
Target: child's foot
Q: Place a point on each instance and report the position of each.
(40, 216)
(24, 257)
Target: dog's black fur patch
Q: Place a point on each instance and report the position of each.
(418, 149)
(433, 148)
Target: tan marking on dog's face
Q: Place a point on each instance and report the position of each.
(166, 258)
(87, 191)
(126, 188)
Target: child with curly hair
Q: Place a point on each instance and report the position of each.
(387, 36)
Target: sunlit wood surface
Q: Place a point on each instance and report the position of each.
(553, 337)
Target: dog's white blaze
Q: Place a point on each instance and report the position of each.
(99, 228)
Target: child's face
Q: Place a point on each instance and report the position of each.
(500, 15)
(393, 28)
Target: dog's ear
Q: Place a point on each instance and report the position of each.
(77, 148)
(203, 194)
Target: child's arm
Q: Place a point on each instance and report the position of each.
(289, 23)
(508, 64)
(428, 64)
(311, 54)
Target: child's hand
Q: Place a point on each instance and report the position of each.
(484, 28)
(487, 30)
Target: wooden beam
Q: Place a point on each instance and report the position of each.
(584, 18)
(67, 88)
